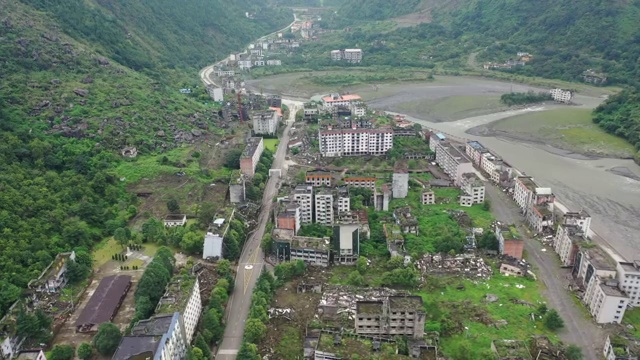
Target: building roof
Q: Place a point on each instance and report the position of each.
(322, 174)
(251, 146)
(600, 259)
(369, 307)
(303, 189)
(282, 234)
(28, 354)
(137, 347)
(338, 97)
(157, 325)
(105, 300)
(440, 136)
(360, 178)
(405, 303)
(212, 246)
(612, 291)
(528, 182)
(477, 146)
(178, 294)
(175, 217)
(302, 242)
(630, 267)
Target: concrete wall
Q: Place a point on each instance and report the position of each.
(400, 185)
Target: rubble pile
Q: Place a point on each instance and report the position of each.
(467, 265)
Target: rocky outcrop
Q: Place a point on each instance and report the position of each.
(81, 92)
(87, 80)
(102, 61)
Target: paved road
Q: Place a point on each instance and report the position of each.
(252, 258)
(579, 329)
(205, 73)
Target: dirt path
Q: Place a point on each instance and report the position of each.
(579, 329)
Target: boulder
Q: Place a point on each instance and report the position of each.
(87, 80)
(56, 82)
(160, 134)
(103, 61)
(196, 132)
(81, 92)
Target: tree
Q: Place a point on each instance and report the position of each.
(361, 264)
(223, 267)
(62, 352)
(232, 159)
(197, 353)
(355, 278)
(553, 321)
(120, 235)
(248, 351)
(486, 205)
(212, 322)
(107, 338)
(192, 243)
(205, 214)
(254, 330)
(542, 309)
(573, 353)
(173, 206)
(76, 271)
(488, 241)
(202, 344)
(152, 230)
(84, 352)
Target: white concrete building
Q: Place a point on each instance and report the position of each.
(212, 246)
(400, 183)
(245, 64)
(324, 207)
(620, 348)
(347, 243)
(353, 56)
(162, 336)
(344, 204)
(251, 155)
(453, 162)
(265, 122)
(274, 62)
(353, 142)
(560, 95)
(593, 261)
(605, 302)
(358, 109)
(475, 151)
(473, 187)
(335, 99)
(303, 195)
(10, 346)
(173, 220)
(566, 243)
(428, 198)
(434, 140)
(183, 296)
(629, 280)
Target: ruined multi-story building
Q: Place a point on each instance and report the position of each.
(392, 316)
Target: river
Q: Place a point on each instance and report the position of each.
(612, 200)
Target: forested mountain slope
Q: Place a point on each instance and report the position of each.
(78, 81)
(147, 33)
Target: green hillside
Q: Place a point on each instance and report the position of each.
(80, 80)
(144, 34)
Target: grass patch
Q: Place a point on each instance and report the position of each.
(271, 144)
(135, 262)
(632, 317)
(571, 129)
(104, 250)
(450, 310)
(152, 166)
(434, 221)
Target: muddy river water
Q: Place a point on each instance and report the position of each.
(603, 187)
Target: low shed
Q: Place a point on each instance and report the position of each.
(104, 303)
